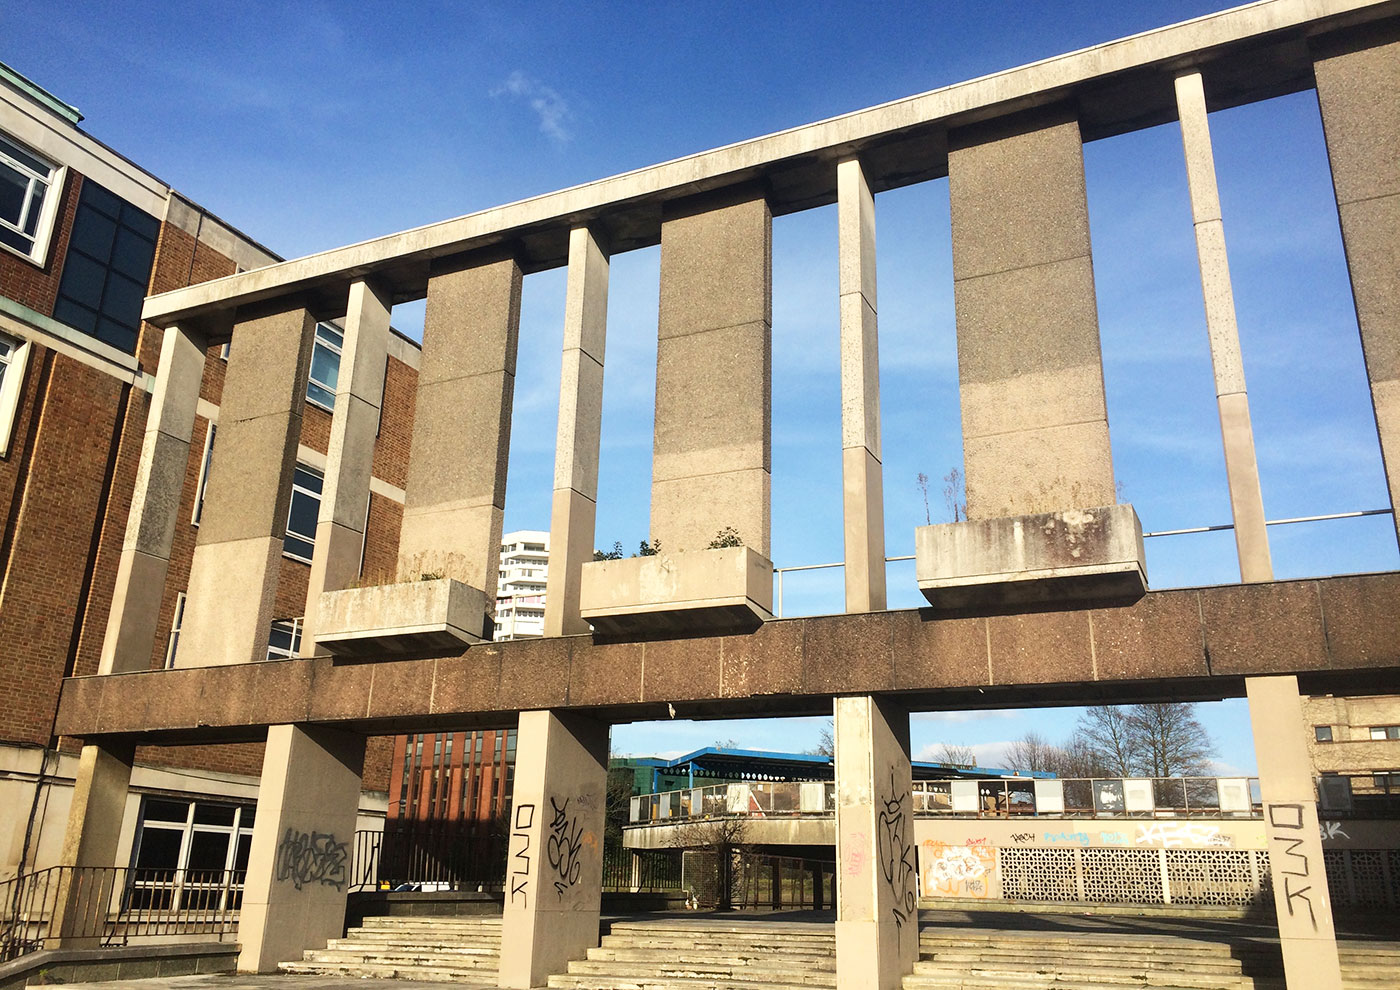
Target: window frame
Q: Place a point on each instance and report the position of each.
(176, 623)
(1388, 733)
(205, 460)
(12, 373)
(1322, 733)
(288, 533)
(292, 652)
(336, 347)
(42, 238)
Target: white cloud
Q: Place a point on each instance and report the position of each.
(988, 754)
(966, 716)
(549, 106)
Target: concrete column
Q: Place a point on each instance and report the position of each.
(1035, 425)
(1241, 466)
(456, 491)
(233, 577)
(359, 389)
(712, 454)
(90, 840)
(554, 871)
(580, 425)
(1356, 88)
(877, 924)
(299, 863)
(861, 473)
(1295, 844)
(155, 504)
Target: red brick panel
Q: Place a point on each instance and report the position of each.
(396, 424)
(37, 286)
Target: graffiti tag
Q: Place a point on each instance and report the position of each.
(894, 849)
(520, 857)
(565, 840)
(312, 858)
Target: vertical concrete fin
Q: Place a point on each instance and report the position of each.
(155, 504)
(580, 427)
(340, 524)
(1237, 433)
(861, 472)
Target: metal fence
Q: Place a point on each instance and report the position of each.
(1001, 797)
(642, 870)
(432, 856)
(753, 881)
(113, 905)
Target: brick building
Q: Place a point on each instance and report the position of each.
(85, 235)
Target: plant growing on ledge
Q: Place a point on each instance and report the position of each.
(727, 537)
(645, 549)
(614, 554)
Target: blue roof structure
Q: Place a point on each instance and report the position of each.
(757, 764)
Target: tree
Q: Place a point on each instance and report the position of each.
(1169, 741)
(727, 838)
(826, 741)
(955, 495)
(1033, 753)
(956, 756)
(614, 554)
(1106, 730)
(921, 480)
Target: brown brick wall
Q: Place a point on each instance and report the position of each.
(37, 286)
(396, 424)
(382, 538)
(49, 538)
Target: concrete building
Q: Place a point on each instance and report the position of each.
(1355, 747)
(1040, 597)
(85, 235)
(520, 593)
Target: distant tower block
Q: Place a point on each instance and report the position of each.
(712, 454)
(1040, 492)
(450, 544)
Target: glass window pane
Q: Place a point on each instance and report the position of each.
(167, 811)
(301, 520)
(83, 279)
(280, 638)
(141, 222)
(240, 855)
(25, 158)
(213, 814)
(321, 396)
(93, 235)
(14, 189)
(325, 366)
(15, 240)
(36, 207)
(209, 851)
(122, 301)
(160, 848)
(82, 318)
(101, 199)
(326, 332)
(132, 254)
(119, 335)
(306, 478)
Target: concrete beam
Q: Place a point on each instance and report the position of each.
(1120, 86)
(1339, 635)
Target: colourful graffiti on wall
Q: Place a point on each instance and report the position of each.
(957, 871)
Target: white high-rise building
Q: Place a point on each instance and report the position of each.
(520, 590)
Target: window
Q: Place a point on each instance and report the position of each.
(1388, 782)
(107, 269)
(1385, 732)
(29, 192)
(284, 639)
(300, 541)
(14, 356)
(1322, 733)
(175, 624)
(204, 472)
(182, 851)
(325, 366)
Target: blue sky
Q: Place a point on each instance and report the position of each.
(312, 125)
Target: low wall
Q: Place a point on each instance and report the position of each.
(126, 962)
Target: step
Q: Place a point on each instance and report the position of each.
(715, 970)
(338, 957)
(374, 938)
(1033, 982)
(436, 974)
(786, 950)
(570, 982)
(706, 953)
(1102, 975)
(1226, 968)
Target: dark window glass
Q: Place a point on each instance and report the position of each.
(1323, 733)
(213, 814)
(160, 848)
(107, 268)
(240, 855)
(246, 819)
(167, 811)
(15, 239)
(14, 189)
(208, 850)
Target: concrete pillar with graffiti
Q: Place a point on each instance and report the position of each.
(299, 862)
(877, 924)
(554, 867)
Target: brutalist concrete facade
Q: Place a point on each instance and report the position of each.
(1035, 430)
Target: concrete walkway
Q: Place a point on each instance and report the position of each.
(231, 981)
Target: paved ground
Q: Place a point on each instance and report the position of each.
(287, 982)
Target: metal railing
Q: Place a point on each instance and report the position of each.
(113, 905)
(1001, 797)
(432, 856)
(1359, 795)
(641, 870)
(780, 571)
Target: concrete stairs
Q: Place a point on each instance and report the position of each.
(704, 955)
(1018, 960)
(465, 950)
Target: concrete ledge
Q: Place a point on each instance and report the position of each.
(717, 590)
(123, 962)
(1075, 556)
(420, 617)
